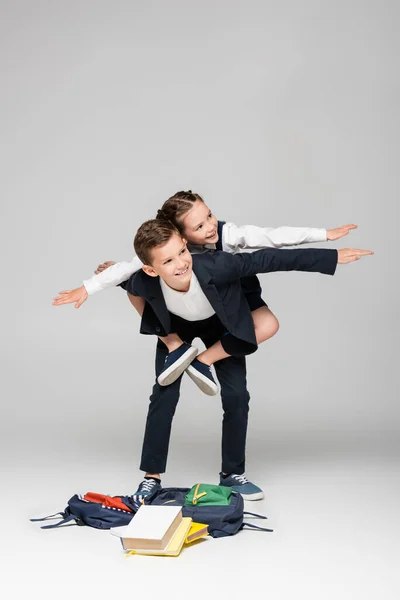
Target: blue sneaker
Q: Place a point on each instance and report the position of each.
(146, 489)
(176, 363)
(240, 484)
(202, 376)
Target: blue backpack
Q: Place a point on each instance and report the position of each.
(222, 521)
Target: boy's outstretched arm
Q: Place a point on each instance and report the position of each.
(229, 267)
(347, 255)
(110, 277)
(251, 237)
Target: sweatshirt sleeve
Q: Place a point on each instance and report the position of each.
(112, 276)
(250, 237)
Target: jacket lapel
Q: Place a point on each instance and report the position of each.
(149, 288)
(209, 289)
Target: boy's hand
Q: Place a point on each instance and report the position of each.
(78, 295)
(347, 255)
(335, 234)
(104, 266)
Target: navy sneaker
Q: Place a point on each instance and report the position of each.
(176, 363)
(146, 488)
(202, 376)
(240, 484)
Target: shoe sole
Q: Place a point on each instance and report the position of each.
(206, 386)
(180, 365)
(257, 496)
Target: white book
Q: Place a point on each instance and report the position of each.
(151, 527)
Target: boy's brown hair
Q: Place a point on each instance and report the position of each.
(153, 233)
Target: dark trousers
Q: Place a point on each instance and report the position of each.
(231, 373)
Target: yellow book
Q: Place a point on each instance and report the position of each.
(196, 531)
(175, 545)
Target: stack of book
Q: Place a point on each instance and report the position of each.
(159, 530)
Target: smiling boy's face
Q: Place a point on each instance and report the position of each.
(172, 262)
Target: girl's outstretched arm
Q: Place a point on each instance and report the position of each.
(110, 277)
(250, 237)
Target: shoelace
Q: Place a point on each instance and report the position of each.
(240, 478)
(147, 485)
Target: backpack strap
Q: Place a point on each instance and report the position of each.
(66, 519)
(63, 522)
(255, 527)
(45, 518)
(254, 515)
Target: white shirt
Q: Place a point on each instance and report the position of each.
(192, 305)
(234, 239)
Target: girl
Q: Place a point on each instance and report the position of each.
(203, 233)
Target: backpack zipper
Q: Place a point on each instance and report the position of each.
(196, 496)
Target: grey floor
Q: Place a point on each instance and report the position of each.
(332, 501)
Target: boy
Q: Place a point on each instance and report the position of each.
(177, 289)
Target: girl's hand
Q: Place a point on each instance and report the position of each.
(78, 295)
(347, 255)
(104, 266)
(335, 234)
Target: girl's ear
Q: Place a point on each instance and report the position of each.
(148, 269)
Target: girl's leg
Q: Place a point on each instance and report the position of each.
(172, 340)
(137, 303)
(213, 354)
(266, 326)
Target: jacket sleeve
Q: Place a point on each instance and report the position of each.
(229, 267)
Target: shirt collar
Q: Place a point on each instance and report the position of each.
(201, 249)
(193, 284)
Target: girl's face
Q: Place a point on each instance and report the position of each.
(200, 226)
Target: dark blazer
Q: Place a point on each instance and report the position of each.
(219, 276)
(250, 285)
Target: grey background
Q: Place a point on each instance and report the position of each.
(277, 113)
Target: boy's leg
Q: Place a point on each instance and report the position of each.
(235, 397)
(163, 402)
(161, 410)
(231, 374)
(235, 403)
